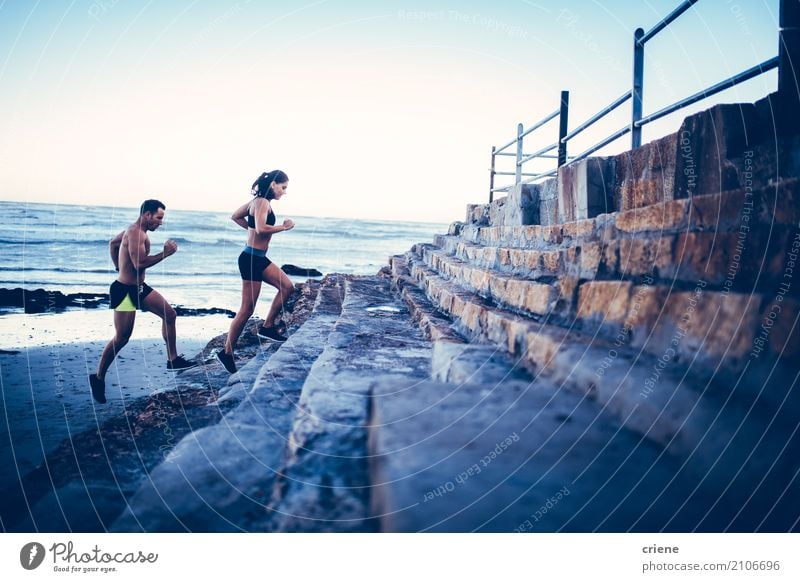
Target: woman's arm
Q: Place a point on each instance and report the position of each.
(261, 213)
(240, 216)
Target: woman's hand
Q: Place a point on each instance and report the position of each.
(288, 224)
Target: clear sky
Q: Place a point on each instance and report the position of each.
(382, 110)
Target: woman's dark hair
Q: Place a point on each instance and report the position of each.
(262, 186)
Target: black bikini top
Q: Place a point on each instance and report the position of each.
(251, 220)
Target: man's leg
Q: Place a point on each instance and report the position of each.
(155, 303)
(123, 327)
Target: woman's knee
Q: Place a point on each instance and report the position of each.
(287, 288)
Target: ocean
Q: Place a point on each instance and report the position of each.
(65, 248)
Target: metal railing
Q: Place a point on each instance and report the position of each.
(521, 158)
(635, 94)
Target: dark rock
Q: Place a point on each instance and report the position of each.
(41, 301)
(300, 271)
(187, 311)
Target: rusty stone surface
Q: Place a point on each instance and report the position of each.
(647, 302)
(707, 325)
(658, 217)
(578, 228)
(712, 146)
(605, 302)
(639, 256)
(646, 175)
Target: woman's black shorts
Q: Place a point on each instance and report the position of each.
(251, 266)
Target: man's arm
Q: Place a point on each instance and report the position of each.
(138, 252)
(113, 247)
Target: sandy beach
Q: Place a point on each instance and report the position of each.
(44, 363)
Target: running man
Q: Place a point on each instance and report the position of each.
(130, 251)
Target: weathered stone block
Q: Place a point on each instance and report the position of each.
(477, 214)
(497, 211)
(522, 205)
(711, 149)
(578, 228)
(658, 217)
(548, 202)
(585, 189)
(551, 261)
(647, 302)
(720, 210)
(643, 255)
(705, 256)
(707, 326)
(646, 175)
(604, 302)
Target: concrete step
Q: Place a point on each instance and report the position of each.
(434, 325)
(515, 457)
(324, 484)
(218, 478)
(699, 325)
(659, 397)
(453, 359)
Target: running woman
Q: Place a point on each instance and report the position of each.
(255, 268)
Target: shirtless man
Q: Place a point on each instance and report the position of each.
(130, 251)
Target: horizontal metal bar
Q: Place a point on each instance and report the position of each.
(506, 154)
(503, 189)
(512, 142)
(667, 20)
(534, 154)
(542, 122)
(543, 175)
(529, 130)
(511, 174)
(605, 111)
(616, 135)
(713, 90)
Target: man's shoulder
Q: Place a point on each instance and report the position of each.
(133, 231)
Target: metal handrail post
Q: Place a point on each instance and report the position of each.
(518, 173)
(491, 175)
(562, 128)
(789, 60)
(638, 85)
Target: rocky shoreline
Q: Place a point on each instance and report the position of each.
(92, 473)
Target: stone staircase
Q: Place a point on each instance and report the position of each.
(610, 350)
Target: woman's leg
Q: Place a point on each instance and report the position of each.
(278, 279)
(250, 293)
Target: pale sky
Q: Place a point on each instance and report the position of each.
(375, 110)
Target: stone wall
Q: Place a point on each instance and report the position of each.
(724, 148)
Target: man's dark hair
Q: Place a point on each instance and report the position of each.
(151, 206)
